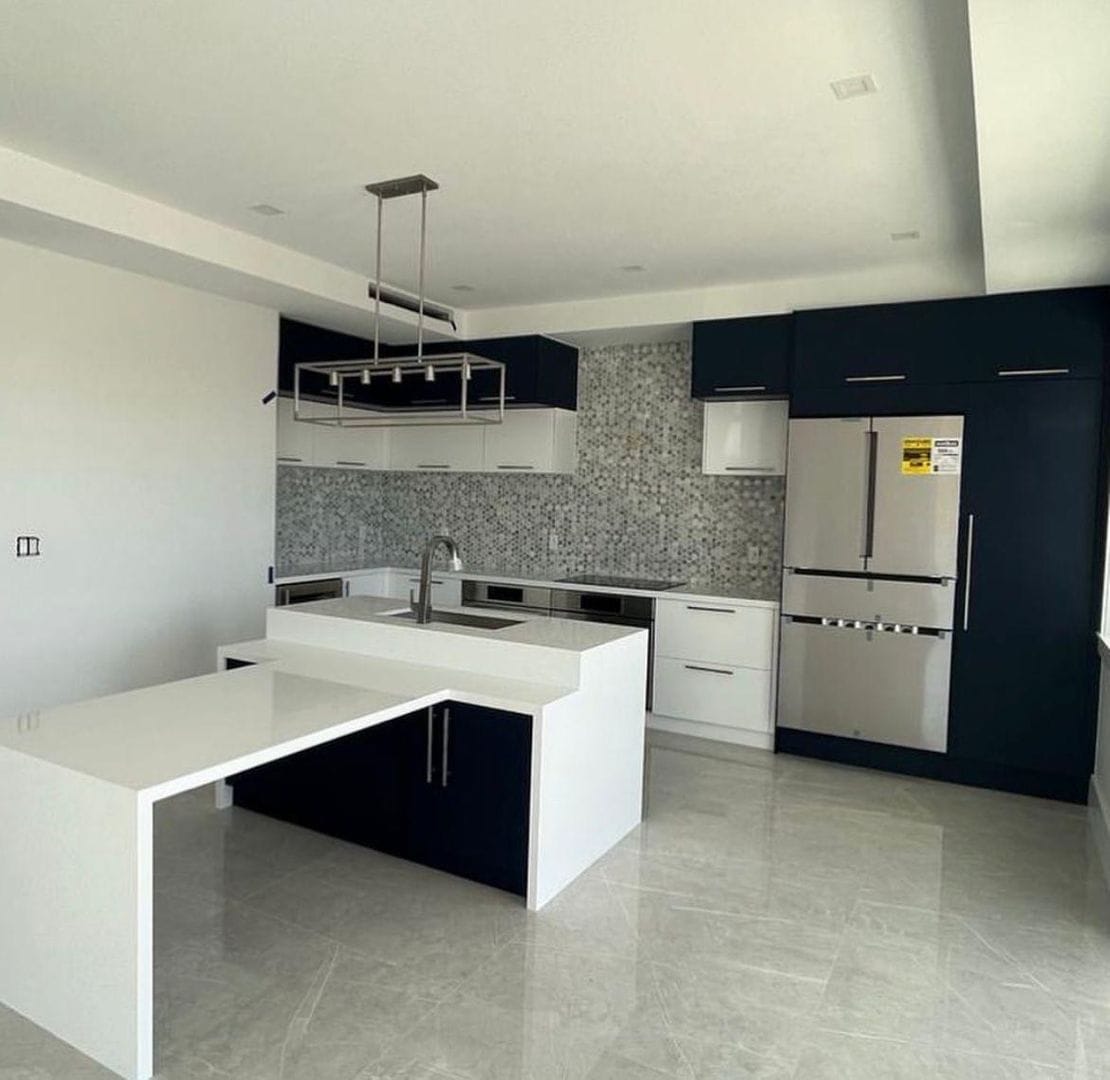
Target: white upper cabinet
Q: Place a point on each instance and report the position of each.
(533, 440)
(314, 444)
(348, 448)
(745, 438)
(436, 448)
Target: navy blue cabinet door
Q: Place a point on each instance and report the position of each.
(742, 357)
(1024, 673)
(473, 819)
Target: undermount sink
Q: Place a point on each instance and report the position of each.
(458, 618)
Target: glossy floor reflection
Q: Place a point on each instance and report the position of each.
(773, 918)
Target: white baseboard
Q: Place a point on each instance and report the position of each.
(1098, 814)
(762, 740)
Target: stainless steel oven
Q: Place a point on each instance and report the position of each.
(303, 592)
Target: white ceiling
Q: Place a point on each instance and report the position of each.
(700, 140)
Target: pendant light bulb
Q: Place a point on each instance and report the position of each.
(397, 374)
(365, 377)
(429, 373)
(333, 378)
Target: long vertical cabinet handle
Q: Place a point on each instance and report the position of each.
(446, 739)
(431, 732)
(867, 544)
(967, 569)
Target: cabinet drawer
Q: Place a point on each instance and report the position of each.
(704, 630)
(713, 693)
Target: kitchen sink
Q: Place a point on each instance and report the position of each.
(459, 618)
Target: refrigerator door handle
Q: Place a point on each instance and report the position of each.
(967, 569)
(868, 546)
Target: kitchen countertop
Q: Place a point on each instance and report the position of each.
(733, 591)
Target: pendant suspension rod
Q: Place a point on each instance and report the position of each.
(378, 284)
(423, 248)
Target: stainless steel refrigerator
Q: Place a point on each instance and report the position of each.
(870, 577)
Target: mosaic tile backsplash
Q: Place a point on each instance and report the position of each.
(638, 504)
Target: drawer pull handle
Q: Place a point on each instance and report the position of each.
(749, 468)
(360, 463)
(710, 670)
(1005, 372)
(280, 458)
(429, 401)
(737, 389)
(423, 465)
(497, 397)
(721, 610)
(875, 378)
(517, 468)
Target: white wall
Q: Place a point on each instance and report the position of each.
(134, 442)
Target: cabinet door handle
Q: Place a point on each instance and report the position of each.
(1004, 372)
(431, 725)
(721, 610)
(424, 465)
(710, 670)
(967, 569)
(874, 378)
(429, 401)
(356, 463)
(497, 397)
(280, 458)
(416, 581)
(446, 738)
(737, 389)
(518, 468)
(749, 468)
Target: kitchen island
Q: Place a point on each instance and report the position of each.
(78, 782)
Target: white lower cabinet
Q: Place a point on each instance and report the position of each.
(710, 693)
(713, 673)
(446, 592)
(744, 438)
(372, 584)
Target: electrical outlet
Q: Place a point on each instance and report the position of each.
(755, 553)
(27, 547)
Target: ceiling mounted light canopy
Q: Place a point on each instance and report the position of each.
(364, 370)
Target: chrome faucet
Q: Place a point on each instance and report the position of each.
(422, 606)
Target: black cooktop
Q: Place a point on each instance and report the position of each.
(613, 581)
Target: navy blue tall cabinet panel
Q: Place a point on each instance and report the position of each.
(1025, 666)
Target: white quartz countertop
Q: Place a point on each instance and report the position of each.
(567, 635)
(691, 590)
(176, 736)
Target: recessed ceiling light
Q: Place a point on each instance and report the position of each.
(853, 86)
(266, 210)
(463, 288)
(909, 234)
(633, 268)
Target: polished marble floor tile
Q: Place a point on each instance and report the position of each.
(773, 918)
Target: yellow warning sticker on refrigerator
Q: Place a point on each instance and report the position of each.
(923, 456)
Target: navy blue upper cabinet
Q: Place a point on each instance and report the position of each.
(539, 371)
(1040, 335)
(742, 357)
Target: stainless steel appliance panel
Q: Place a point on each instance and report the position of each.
(304, 592)
(913, 603)
(494, 594)
(861, 684)
(827, 493)
(915, 516)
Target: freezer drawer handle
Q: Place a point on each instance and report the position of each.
(1006, 372)
(721, 610)
(710, 670)
(874, 378)
(737, 389)
(967, 569)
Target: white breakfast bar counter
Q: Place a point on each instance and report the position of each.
(78, 782)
